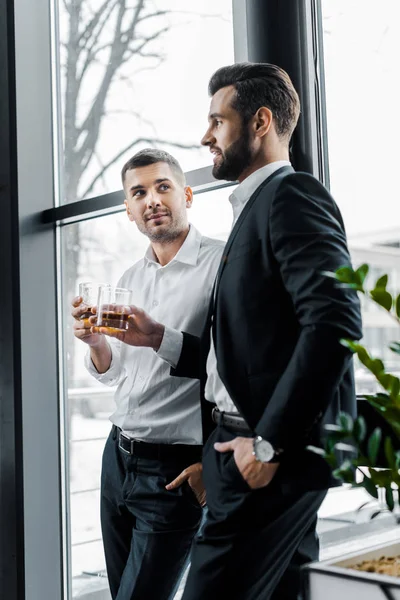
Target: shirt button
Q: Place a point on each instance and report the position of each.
(155, 303)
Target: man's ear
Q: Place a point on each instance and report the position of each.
(262, 121)
(188, 196)
(128, 212)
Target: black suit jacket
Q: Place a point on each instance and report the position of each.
(278, 320)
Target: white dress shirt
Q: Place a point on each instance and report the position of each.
(215, 391)
(151, 405)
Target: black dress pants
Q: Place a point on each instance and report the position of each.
(147, 530)
(253, 542)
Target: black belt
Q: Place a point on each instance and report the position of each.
(131, 447)
(230, 421)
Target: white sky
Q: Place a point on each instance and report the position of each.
(362, 51)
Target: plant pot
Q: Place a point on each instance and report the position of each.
(335, 579)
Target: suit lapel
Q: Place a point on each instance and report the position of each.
(237, 226)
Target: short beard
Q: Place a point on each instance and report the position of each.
(164, 234)
(236, 158)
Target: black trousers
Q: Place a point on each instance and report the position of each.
(147, 530)
(253, 542)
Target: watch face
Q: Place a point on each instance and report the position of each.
(263, 450)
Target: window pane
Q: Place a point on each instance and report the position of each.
(134, 75)
(101, 250)
(362, 104)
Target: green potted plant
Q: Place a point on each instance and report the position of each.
(373, 458)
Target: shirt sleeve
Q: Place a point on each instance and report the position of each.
(171, 346)
(110, 377)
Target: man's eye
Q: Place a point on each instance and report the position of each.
(138, 193)
(164, 187)
(218, 123)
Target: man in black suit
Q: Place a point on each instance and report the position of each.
(270, 357)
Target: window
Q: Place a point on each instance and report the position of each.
(361, 98)
(134, 75)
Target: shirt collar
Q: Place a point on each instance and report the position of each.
(187, 254)
(244, 190)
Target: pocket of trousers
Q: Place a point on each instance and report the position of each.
(235, 475)
(190, 495)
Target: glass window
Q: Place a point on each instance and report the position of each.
(363, 133)
(107, 247)
(135, 75)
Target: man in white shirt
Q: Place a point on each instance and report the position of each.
(151, 486)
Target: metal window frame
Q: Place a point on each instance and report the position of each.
(29, 342)
(12, 565)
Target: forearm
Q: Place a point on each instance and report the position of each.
(101, 356)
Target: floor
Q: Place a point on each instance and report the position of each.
(343, 528)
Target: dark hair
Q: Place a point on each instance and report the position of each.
(260, 84)
(151, 156)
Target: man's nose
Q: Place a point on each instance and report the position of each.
(207, 139)
(153, 200)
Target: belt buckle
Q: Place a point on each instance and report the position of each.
(129, 452)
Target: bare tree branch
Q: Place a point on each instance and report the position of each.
(66, 5)
(91, 51)
(96, 112)
(92, 24)
(150, 141)
(158, 13)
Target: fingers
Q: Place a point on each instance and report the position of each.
(81, 325)
(178, 480)
(225, 446)
(79, 311)
(109, 331)
(76, 301)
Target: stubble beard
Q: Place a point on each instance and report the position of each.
(164, 233)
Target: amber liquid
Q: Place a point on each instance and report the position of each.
(85, 318)
(87, 314)
(115, 320)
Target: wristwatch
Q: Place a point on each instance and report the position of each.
(264, 451)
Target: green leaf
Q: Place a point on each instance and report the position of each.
(397, 306)
(349, 344)
(345, 447)
(346, 275)
(380, 477)
(389, 497)
(395, 389)
(382, 282)
(389, 453)
(360, 429)
(345, 421)
(373, 445)
(362, 272)
(389, 382)
(376, 366)
(369, 486)
(395, 346)
(335, 433)
(383, 298)
(317, 450)
(345, 472)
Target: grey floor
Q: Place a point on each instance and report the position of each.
(342, 528)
